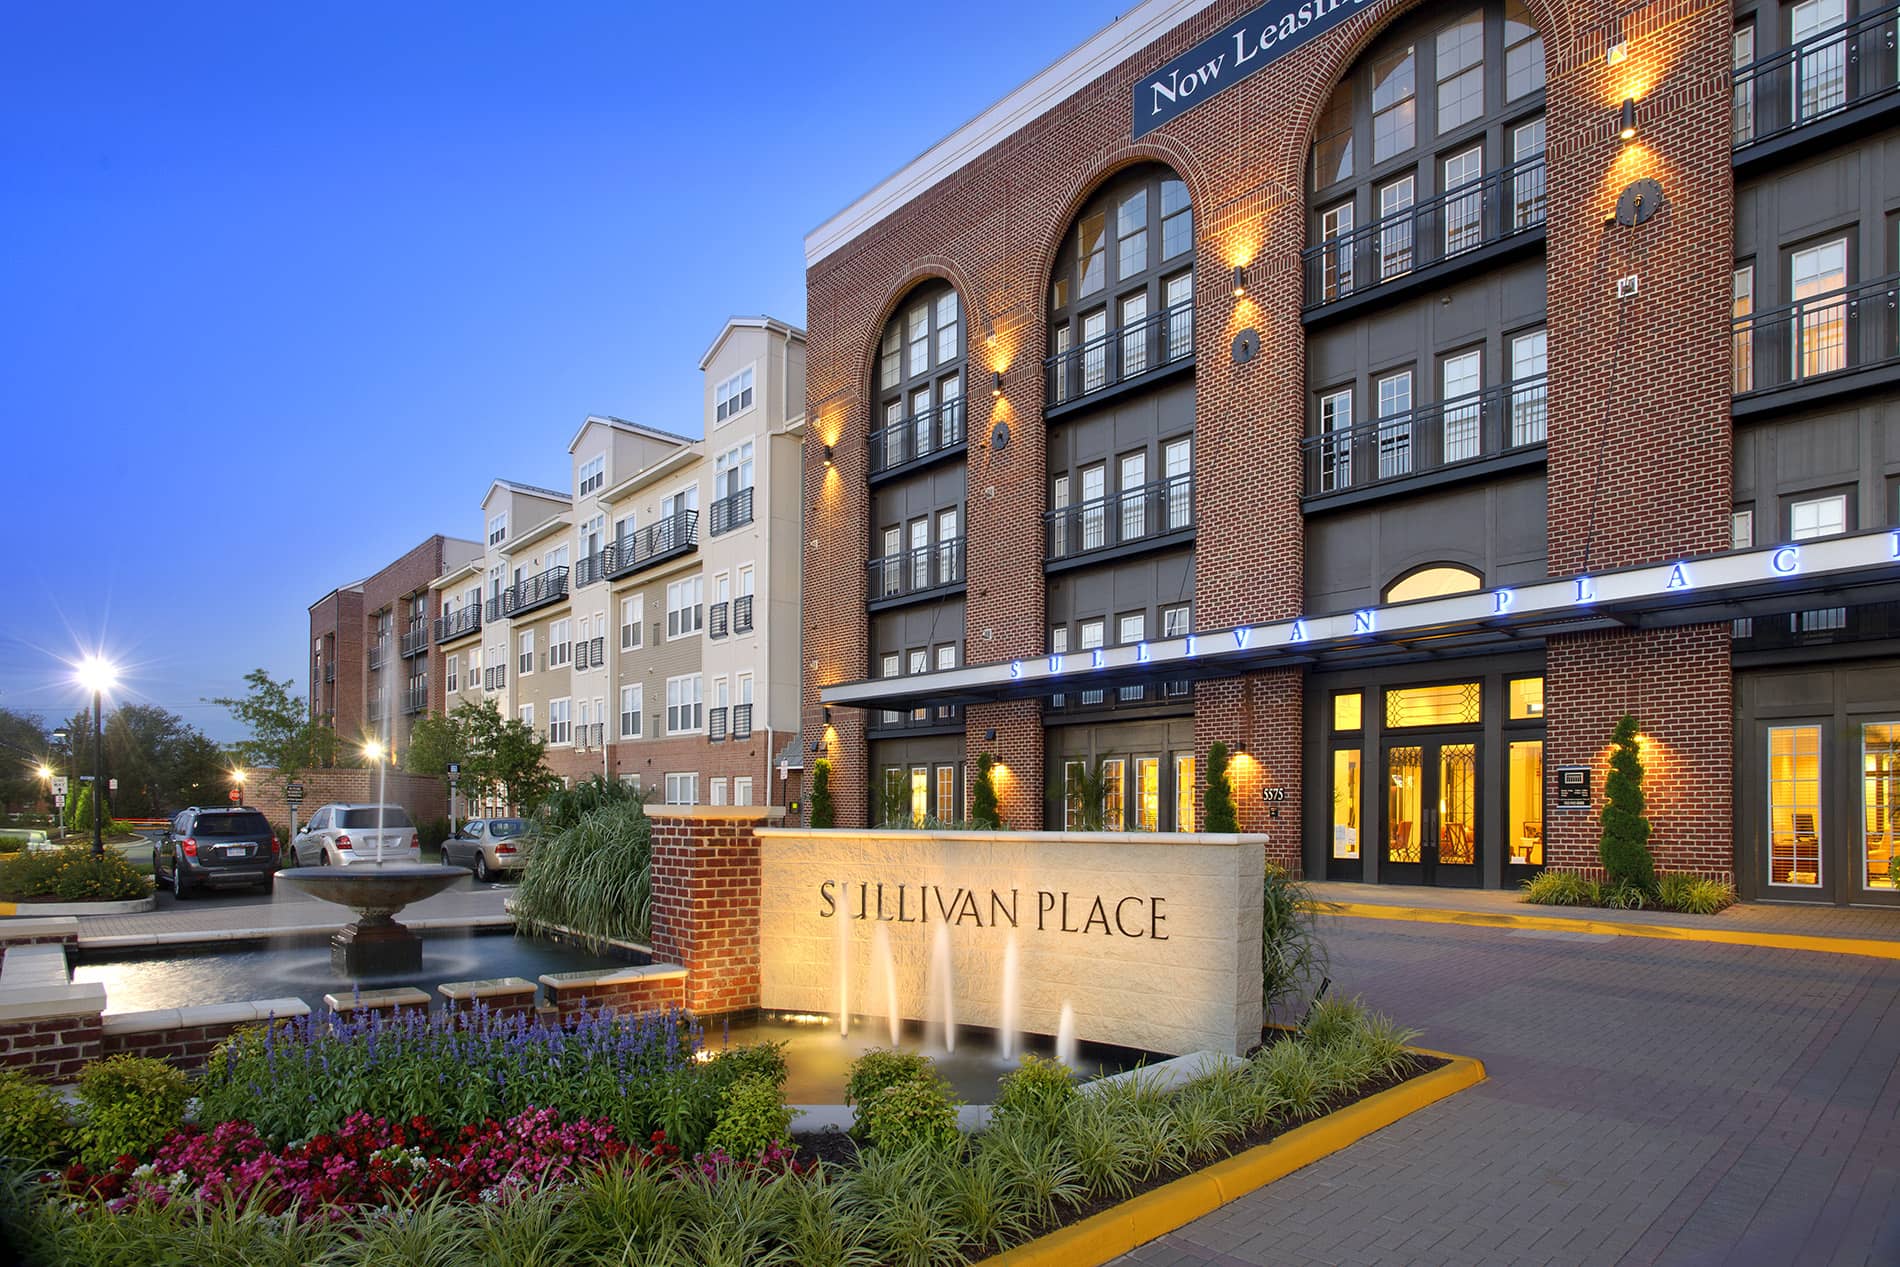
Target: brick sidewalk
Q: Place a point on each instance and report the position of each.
(1648, 1102)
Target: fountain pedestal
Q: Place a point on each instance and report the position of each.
(375, 948)
(375, 945)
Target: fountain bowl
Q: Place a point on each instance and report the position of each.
(375, 944)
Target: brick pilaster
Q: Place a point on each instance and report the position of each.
(706, 893)
(1262, 712)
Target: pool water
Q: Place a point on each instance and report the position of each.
(236, 972)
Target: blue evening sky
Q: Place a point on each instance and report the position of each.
(286, 285)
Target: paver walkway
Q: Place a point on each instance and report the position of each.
(216, 917)
(1669, 1102)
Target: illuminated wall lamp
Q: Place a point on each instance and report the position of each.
(1240, 280)
(1626, 120)
(996, 384)
(827, 455)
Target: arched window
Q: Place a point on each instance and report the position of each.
(1435, 580)
(918, 380)
(1121, 298)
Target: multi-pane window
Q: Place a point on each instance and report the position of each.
(890, 359)
(1742, 107)
(917, 340)
(733, 396)
(527, 716)
(593, 474)
(1091, 267)
(1461, 377)
(1335, 426)
(1817, 517)
(1741, 529)
(685, 607)
(1395, 226)
(560, 723)
(680, 501)
(498, 529)
(630, 707)
(948, 321)
(453, 677)
(1530, 391)
(1527, 181)
(682, 789)
(1820, 63)
(685, 707)
(919, 664)
(1176, 621)
(1816, 274)
(1464, 212)
(1794, 805)
(1395, 424)
(524, 653)
(1742, 340)
(1177, 220)
(1335, 230)
(1131, 234)
(732, 470)
(1332, 144)
(1394, 104)
(1460, 67)
(920, 386)
(1523, 52)
(717, 792)
(632, 616)
(742, 790)
(560, 643)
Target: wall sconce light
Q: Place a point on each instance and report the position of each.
(1241, 746)
(1240, 280)
(827, 714)
(1618, 52)
(996, 384)
(989, 736)
(817, 745)
(827, 455)
(1626, 121)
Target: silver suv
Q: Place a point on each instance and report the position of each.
(339, 835)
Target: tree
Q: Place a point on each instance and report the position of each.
(983, 806)
(23, 745)
(823, 812)
(499, 757)
(1624, 845)
(1219, 801)
(285, 737)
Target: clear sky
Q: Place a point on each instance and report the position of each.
(284, 286)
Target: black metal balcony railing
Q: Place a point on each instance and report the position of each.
(495, 677)
(415, 699)
(596, 652)
(536, 591)
(914, 571)
(716, 620)
(590, 568)
(415, 639)
(916, 718)
(1502, 205)
(732, 511)
(1820, 76)
(1121, 517)
(378, 652)
(742, 614)
(591, 735)
(1851, 329)
(464, 620)
(1486, 424)
(935, 430)
(670, 537)
(716, 725)
(742, 721)
(491, 610)
(1115, 356)
(377, 709)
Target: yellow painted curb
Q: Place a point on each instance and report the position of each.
(1868, 946)
(7, 908)
(1114, 1232)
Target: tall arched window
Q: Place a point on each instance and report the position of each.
(1121, 298)
(918, 381)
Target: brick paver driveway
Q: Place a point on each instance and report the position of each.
(1647, 1102)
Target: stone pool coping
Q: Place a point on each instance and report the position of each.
(55, 910)
(1103, 1237)
(214, 936)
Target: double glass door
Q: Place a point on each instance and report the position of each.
(1431, 810)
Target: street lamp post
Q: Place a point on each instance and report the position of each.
(97, 676)
(64, 743)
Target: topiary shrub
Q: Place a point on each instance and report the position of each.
(34, 1126)
(752, 1116)
(823, 812)
(129, 1105)
(1623, 847)
(916, 1113)
(983, 807)
(1219, 800)
(1037, 1092)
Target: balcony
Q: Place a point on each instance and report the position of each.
(717, 620)
(1499, 428)
(415, 639)
(732, 511)
(491, 610)
(593, 651)
(495, 677)
(537, 591)
(1817, 346)
(742, 614)
(1467, 226)
(1140, 350)
(1817, 627)
(937, 719)
(592, 735)
(379, 652)
(716, 725)
(415, 699)
(377, 709)
(456, 624)
(918, 438)
(1141, 695)
(914, 573)
(1149, 514)
(1843, 78)
(742, 721)
(590, 568)
(654, 544)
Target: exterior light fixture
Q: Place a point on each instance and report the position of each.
(1240, 280)
(989, 736)
(996, 384)
(373, 751)
(827, 455)
(827, 714)
(1618, 52)
(1626, 121)
(817, 745)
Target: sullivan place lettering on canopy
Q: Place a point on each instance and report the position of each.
(1044, 911)
(1245, 45)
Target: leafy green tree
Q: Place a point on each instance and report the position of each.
(823, 812)
(499, 756)
(285, 737)
(1219, 801)
(23, 745)
(1624, 845)
(983, 807)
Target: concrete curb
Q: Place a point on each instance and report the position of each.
(53, 910)
(1868, 946)
(1102, 1237)
(213, 936)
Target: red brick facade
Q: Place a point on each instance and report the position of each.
(706, 895)
(55, 1048)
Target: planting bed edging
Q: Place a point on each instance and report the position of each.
(52, 910)
(1114, 1232)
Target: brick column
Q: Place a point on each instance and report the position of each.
(1261, 711)
(706, 901)
(1018, 749)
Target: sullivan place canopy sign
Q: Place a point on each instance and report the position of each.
(1220, 61)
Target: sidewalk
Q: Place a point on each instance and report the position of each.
(1788, 926)
(289, 914)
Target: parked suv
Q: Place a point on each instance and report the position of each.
(489, 845)
(338, 835)
(217, 847)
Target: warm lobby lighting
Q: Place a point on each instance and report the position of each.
(1627, 120)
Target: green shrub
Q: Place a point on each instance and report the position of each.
(594, 878)
(914, 1113)
(1625, 895)
(129, 1104)
(883, 1067)
(823, 812)
(983, 807)
(72, 874)
(1220, 792)
(567, 806)
(1333, 1022)
(1624, 844)
(1692, 895)
(34, 1125)
(1036, 1092)
(1563, 888)
(752, 1114)
(431, 832)
(1292, 956)
(764, 1060)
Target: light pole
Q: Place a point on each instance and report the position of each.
(98, 676)
(64, 743)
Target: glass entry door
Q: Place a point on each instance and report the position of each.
(1431, 811)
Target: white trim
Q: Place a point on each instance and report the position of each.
(1113, 44)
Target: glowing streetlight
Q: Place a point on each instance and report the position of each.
(45, 772)
(373, 751)
(98, 675)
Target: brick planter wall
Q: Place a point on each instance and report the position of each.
(51, 1047)
(706, 902)
(644, 988)
(188, 1036)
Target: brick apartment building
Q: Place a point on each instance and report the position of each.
(628, 617)
(1398, 394)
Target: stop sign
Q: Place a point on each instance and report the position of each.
(236, 796)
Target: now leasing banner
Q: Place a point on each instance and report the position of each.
(1220, 61)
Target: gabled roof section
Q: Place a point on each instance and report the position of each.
(1062, 79)
(631, 428)
(533, 490)
(773, 324)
